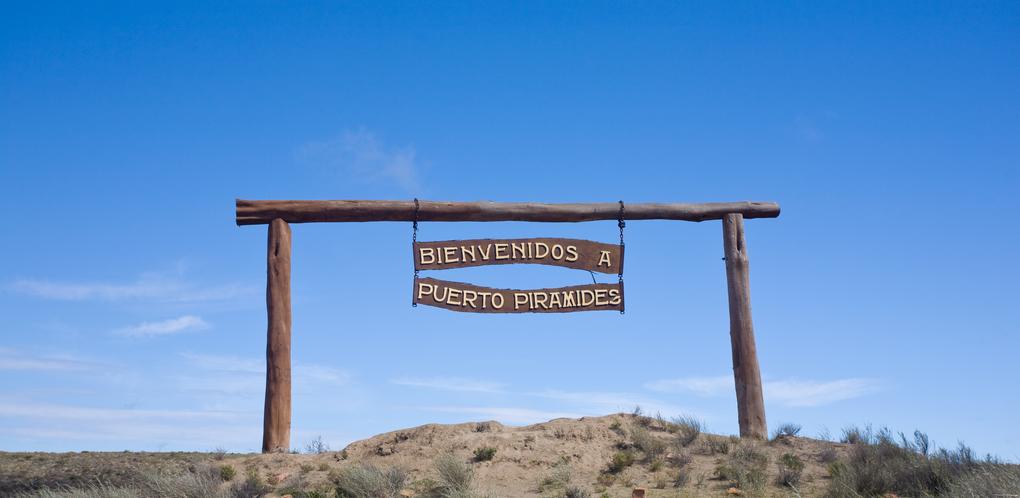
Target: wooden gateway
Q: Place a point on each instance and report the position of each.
(456, 296)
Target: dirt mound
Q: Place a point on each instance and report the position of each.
(613, 453)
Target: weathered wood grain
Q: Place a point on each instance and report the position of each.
(746, 374)
(569, 253)
(276, 421)
(255, 212)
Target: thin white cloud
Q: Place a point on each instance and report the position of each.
(450, 384)
(165, 327)
(704, 386)
(14, 360)
(241, 376)
(507, 415)
(150, 286)
(813, 393)
(71, 412)
(363, 155)
(798, 393)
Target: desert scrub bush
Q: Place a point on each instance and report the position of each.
(227, 472)
(453, 478)
(316, 446)
(828, 455)
(683, 476)
(484, 454)
(877, 464)
(620, 461)
(716, 446)
(647, 443)
(785, 431)
(251, 487)
(576, 492)
(987, 479)
(369, 481)
(791, 468)
(746, 468)
(687, 429)
(558, 478)
(617, 427)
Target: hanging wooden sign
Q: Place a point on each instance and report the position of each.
(570, 253)
(457, 296)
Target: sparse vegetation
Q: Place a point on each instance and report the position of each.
(745, 467)
(878, 464)
(369, 481)
(644, 441)
(484, 454)
(687, 429)
(621, 460)
(790, 467)
(785, 431)
(317, 446)
(454, 478)
(576, 492)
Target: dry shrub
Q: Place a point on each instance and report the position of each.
(745, 467)
(369, 481)
(687, 429)
(877, 464)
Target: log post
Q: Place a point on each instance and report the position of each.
(746, 374)
(276, 421)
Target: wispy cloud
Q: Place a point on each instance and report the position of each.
(800, 393)
(14, 360)
(246, 376)
(363, 155)
(150, 286)
(508, 415)
(450, 384)
(71, 412)
(703, 386)
(814, 393)
(166, 327)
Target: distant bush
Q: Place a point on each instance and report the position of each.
(317, 446)
(227, 472)
(647, 443)
(877, 463)
(746, 467)
(484, 454)
(369, 481)
(576, 492)
(786, 431)
(790, 467)
(621, 460)
(454, 478)
(687, 429)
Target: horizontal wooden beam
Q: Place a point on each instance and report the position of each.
(251, 212)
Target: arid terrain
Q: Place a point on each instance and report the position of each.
(594, 456)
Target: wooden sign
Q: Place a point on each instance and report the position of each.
(457, 296)
(571, 253)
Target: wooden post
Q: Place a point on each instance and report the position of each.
(746, 374)
(276, 422)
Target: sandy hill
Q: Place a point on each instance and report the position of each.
(535, 460)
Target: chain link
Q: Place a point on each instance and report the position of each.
(621, 223)
(414, 240)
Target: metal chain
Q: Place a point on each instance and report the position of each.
(621, 224)
(414, 240)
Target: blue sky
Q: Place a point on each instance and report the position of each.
(132, 309)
